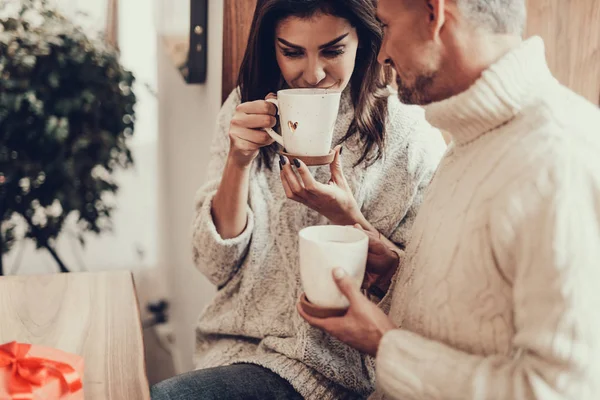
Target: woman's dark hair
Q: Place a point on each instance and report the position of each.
(260, 73)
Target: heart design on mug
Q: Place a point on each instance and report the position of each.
(293, 126)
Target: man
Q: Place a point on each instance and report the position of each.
(499, 294)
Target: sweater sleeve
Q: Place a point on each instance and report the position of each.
(217, 258)
(554, 272)
(413, 155)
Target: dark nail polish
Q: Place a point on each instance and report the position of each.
(297, 163)
(341, 149)
(282, 160)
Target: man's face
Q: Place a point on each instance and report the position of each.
(409, 48)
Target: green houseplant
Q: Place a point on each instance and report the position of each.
(66, 112)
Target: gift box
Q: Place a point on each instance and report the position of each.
(31, 372)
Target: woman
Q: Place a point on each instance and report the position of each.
(251, 343)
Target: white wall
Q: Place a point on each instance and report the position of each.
(187, 117)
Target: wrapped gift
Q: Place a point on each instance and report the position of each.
(39, 373)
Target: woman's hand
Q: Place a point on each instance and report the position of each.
(334, 200)
(246, 132)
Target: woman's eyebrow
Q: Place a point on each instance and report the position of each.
(288, 44)
(334, 41)
(323, 46)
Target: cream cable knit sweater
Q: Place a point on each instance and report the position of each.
(500, 291)
(253, 317)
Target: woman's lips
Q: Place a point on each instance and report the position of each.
(318, 87)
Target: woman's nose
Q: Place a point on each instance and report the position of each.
(314, 72)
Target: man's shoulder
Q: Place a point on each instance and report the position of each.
(554, 130)
(563, 117)
(548, 145)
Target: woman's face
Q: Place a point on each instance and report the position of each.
(319, 52)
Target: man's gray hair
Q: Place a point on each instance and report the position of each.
(497, 16)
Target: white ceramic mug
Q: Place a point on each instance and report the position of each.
(307, 118)
(322, 249)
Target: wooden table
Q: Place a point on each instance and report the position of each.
(94, 315)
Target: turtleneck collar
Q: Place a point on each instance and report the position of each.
(503, 90)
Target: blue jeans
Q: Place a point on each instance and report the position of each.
(239, 381)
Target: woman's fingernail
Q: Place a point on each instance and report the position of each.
(339, 273)
(282, 160)
(341, 149)
(297, 163)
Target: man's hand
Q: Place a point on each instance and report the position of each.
(363, 325)
(382, 263)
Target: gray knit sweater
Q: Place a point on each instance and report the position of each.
(253, 317)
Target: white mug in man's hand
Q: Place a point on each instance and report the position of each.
(322, 249)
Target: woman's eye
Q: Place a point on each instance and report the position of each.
(292, 54)
(332, 53)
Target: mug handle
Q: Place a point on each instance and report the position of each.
(276, 137)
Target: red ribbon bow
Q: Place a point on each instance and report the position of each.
(27, 372)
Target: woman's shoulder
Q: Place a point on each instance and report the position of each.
(228, 108)
(409, 131)
(233, 100)
(400, 114)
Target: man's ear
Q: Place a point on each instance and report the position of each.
(437, 16)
